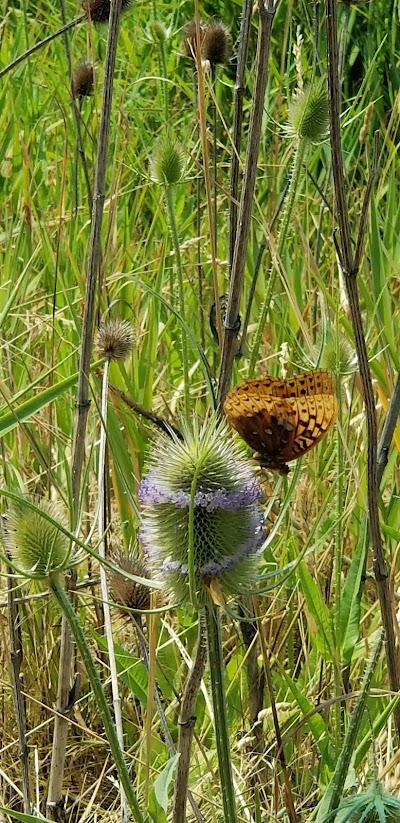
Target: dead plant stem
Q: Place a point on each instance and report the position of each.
(350, 266)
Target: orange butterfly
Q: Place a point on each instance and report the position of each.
(283, 419)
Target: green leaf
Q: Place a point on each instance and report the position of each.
(315, 723)
(350, 603)
(319, 612)
(24, 818)
(162, 782)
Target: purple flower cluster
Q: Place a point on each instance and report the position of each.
(152, 492)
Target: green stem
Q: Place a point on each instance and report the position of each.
(191, 573)
(169, 197)
(338, 562)
(216, 666)
(281, 239)
(95, 682)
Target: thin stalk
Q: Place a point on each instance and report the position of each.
(211, 614)
(102, 526)
(238, 97)
(267, 12)
(185, 735)
(215, 168)
(78, 451)
(170, 201)
(333, 795)
(204, 147)
(350, 264)
(14, 630)
(281, 240)
(98, 691)
(94, 255)
(41, 43)
(338, 561)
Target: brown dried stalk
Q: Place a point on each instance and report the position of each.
(350, 264)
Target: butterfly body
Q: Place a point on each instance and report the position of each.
(283, 419)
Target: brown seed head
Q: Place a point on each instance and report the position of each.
(114, 339)
(217, 42)
(189, 38)
(126, 592)
(98, 11)
(83, 80)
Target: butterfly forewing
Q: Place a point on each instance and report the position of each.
(283, 419)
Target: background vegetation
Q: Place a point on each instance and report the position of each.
(318, 625)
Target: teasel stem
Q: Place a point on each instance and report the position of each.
(14, 630)
(210, 613)
(170, 201)
(281, 240)
(102, 526)
(65, 27)
(267, 12)
(332, 797)
(78, 452)
(215, 168)
(186, 731)
(349, 262)
(237, 123)
(338, 560)
(98, 691)
(94, 255)
(204, 147)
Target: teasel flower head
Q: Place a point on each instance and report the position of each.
(34, 540)
(309, 112)
(217, 42)
(98, 11)
(167, 162)
(83, 80)
(156, 32)
(339, 356)
(114, 339)
(125, 592)
(201, 496)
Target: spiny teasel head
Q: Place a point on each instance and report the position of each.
(339, 356)
(373, 806)
(83, 80)
(124, 591)
(167, 161)
(156, 31)
(114, 339)
(98, 11)
(189, 38)
(309, 112)
(34, 540)
(201, 494)
(217, 42)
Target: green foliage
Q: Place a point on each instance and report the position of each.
(318, 620)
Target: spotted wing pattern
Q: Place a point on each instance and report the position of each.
(283, 419)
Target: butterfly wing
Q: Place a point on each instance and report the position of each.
(267, 424)
(283, 419)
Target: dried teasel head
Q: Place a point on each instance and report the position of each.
(98, 11)
(124, 591)
(114, 339)
(217, 42)
(189, 38)
(83, 80)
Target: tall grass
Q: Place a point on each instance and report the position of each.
(313, 623)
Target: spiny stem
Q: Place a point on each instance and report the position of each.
(95, 682)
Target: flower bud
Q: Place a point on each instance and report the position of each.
(167, 162)
(37, 545)
(309, 112)
(98, 11)
(227, 517)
